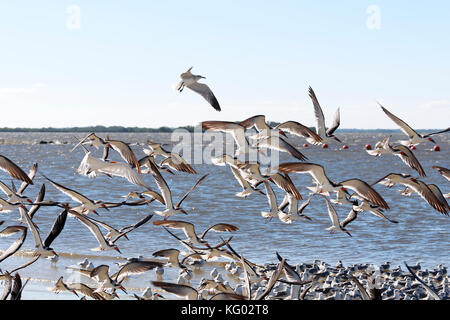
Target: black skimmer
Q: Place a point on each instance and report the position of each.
(94, 229)
(43, 247)
(405, 154)
(414, 137)
(87, 205)
(191, 81)
(247, 188)
(335, 225)
(417, 186)
(324, 185)
(167, 195)
(325, 134)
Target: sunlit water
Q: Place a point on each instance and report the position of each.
(421, 235)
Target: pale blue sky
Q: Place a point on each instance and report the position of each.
(120, 66)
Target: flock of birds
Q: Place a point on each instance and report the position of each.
(283, 281)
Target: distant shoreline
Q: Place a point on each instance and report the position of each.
(163, 129)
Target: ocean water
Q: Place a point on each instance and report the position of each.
(420, 236)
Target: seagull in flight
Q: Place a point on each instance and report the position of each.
(191, 81)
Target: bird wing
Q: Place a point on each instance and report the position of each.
(235, 129)
(16, 244)
(438, 132)
(133, 227)
(136, 267)
(259, 122)
(219, 227)
(300, 130)
(32, 227)
(123, 170)
(39, 198)
(335, 124)
(76, 196)
(180, 290)
(178, 205)
(95, 230)
(57, 227)
(332, 213)
(438, 193)
(6, 190)
(31, 175)
(162, 185)
(101, 272)
(273, 279)
(427, 194)
(286, 184)
(187, 227)
(125, 152)
(352, 215)
(14, 170)
(409, 159)
(363, 189)
(320, 119)
(206, 93)
(177, 163)
(243, 183)
(402, 124)
(271, 197)
(280, 144)
(315, 170)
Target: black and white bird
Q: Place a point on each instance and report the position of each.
(414, 137)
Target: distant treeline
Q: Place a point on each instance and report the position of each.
(165, 129)
(97, 129)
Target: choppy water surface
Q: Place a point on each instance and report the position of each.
(422, 233)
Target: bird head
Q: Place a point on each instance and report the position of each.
(431, 139)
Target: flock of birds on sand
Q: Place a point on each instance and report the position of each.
(316, 280)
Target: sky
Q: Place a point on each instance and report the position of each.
(82, 63)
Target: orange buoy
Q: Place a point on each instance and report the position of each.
(305, 145)
(368, 147)
(436, 148)
(345, 146)
(325, 146)
(412, 147)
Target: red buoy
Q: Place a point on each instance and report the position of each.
(325, 146)
(345, 146)
(436, 148)
(368, 147)
(412, 147)
(305, 145)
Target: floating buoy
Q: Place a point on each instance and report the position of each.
(305, 145)
(436, 148)
(345, 146)
(412, 147)
(325, 146)
(368, 147)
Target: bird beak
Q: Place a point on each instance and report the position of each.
(307, 218)
(182, 211)
(29, 201)
(117, 249)
(105, 207)
(348, 233)
(123, 289)
(430, 139)
(75, 293)
(93, 211)
(282, 133)
(168, 170)
(126, 237)
(336, 138)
